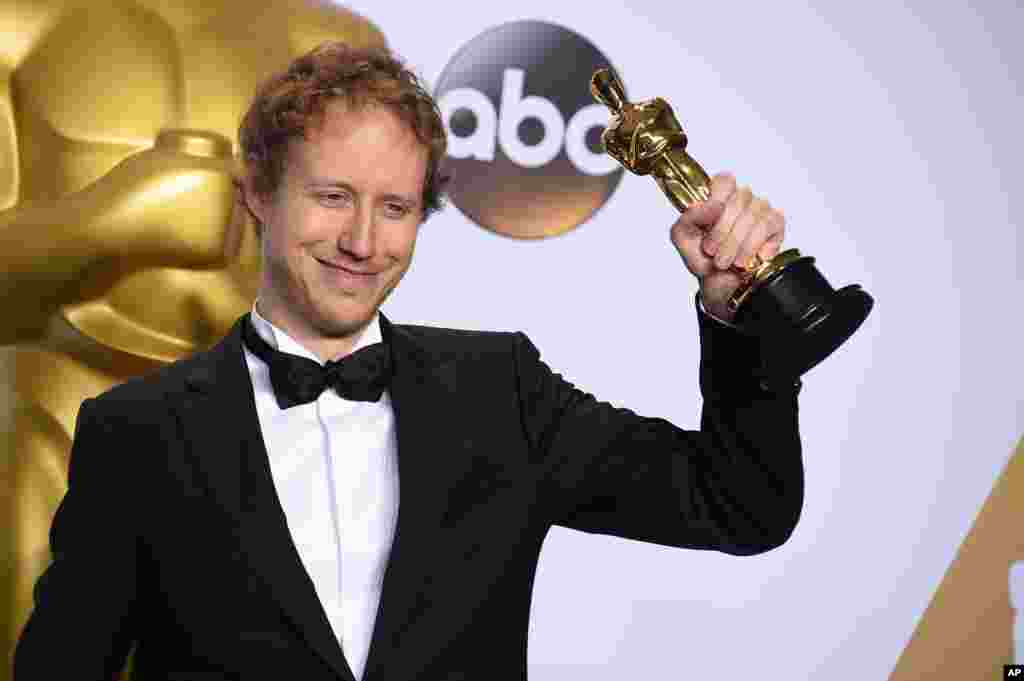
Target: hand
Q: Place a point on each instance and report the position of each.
(168, 207)
(718, 237)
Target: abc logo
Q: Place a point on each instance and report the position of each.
(524, 133)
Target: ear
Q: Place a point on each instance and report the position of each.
(254, 202)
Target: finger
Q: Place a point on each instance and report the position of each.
(747, 221)
(723, 186)
(700, 217)
(696, 262)
(777, 233)
(687, 239)
(762, 227)
(720, 238)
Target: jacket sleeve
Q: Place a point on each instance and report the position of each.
(736, 485)
(81, 626)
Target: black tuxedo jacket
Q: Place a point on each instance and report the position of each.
(171, 536)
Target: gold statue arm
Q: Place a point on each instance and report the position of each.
(168, 206)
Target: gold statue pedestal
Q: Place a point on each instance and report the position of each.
(785, 298)
(797, 305)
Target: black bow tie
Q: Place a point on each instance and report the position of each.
(361, 376)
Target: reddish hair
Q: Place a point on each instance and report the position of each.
(290, 102)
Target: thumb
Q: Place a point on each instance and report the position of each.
(696, 221)
(702, 216)
(688, 234)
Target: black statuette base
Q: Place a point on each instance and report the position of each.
(797, 308)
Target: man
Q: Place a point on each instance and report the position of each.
(256, 529)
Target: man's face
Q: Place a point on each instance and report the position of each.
(339, 231)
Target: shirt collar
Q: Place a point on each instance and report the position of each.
(282, 341)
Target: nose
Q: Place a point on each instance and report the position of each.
(357, 239)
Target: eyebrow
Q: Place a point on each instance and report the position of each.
(323, 183)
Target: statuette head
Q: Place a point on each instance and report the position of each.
(607, 89)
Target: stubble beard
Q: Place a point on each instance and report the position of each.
(301, 305)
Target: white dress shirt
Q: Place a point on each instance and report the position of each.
(335, 467)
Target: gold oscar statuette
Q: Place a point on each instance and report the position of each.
(784, 295)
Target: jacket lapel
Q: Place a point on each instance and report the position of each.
(423, 387)
(222, 432)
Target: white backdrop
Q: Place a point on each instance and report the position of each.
(890, 136)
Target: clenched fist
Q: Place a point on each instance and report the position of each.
(727, 230)
(173, 205)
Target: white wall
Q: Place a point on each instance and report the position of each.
(890, 136)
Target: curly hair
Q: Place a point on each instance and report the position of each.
(290, 102)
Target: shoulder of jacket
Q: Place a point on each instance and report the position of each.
(445, 335)
(463, 344)
(141, 394)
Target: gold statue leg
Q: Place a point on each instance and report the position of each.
(36, 479)
(681, 179)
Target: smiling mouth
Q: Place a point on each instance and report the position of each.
(344, 269)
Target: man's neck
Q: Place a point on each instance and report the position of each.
(325, 347)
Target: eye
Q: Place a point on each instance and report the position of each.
(334, 198)
(396, 210)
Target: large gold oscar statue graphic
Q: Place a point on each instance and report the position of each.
(121, 243)
(966, 632)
